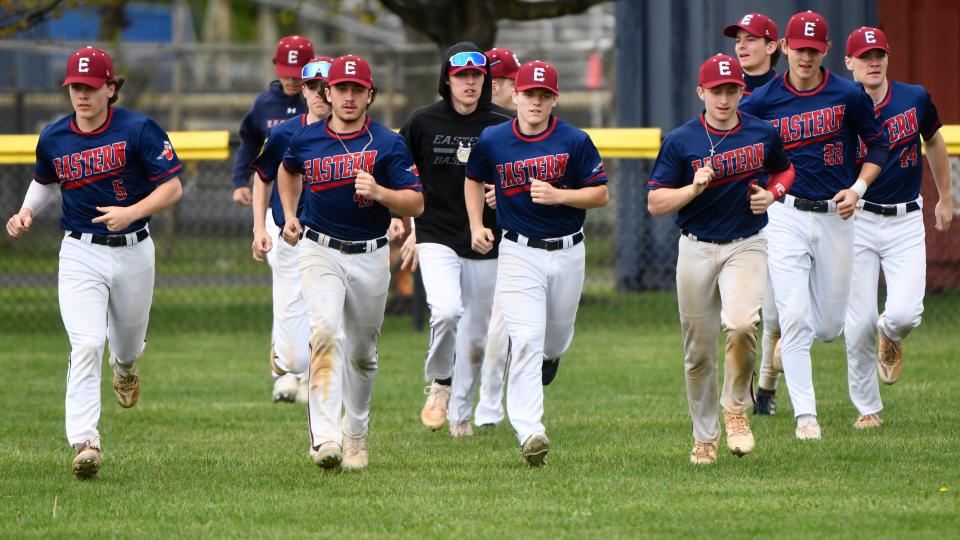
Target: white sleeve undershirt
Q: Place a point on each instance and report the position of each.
(39, 196)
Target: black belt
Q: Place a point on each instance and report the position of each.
(889, 210)
(807, 205)
(549, 245)
(112, 240)
(698, 239)
(342, 245)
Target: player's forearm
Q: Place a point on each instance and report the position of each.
(288, 186)
(473, 197)
(588, 197)
(261, 198)
(165, 196)
(402, 202)
(940, 166)
(665, 201)
(869, 172)
(38, 197)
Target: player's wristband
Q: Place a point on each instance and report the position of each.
(859, 187)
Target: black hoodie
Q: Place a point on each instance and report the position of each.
(434, 134)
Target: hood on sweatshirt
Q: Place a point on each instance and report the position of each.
(486, 91)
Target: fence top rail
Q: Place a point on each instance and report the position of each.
(629, 143)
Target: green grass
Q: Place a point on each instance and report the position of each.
(205, 454)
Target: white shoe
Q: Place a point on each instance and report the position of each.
(285, 389)
(461, 429)
(328, 455)
(434, 411)
(809, 432)
(86, 464)
(355, 454)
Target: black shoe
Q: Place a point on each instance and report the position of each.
(766, 404)
(549, 370)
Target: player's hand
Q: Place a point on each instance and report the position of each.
(20, 223)
(367, 187)
(397, 233)
(846, 200)
(292, 231)
(701, 178)
(490, 195)
(760, 199)
(543, 193)
(481, 240)
(262, 244)
(408, 253)
(116, 218)
(943, 212)
(243, 196)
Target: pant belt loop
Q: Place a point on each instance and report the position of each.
(789, 200)
(901, 209)
(831, 206)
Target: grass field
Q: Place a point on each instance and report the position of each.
(205, 454)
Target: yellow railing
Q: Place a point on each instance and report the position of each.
(630, 143)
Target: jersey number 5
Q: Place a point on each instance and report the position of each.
(118, 190)
(833, 154)
(908, 157)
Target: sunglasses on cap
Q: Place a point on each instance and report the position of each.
(311, 70)
(463, 59)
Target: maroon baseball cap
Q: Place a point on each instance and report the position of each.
(350, 68)
(721, 69)
(537, 74)
(866, 38)
(503, 63)
(293, 52)
(89, 66)
(807, 30)
(755, 24)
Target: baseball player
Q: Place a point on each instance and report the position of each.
(707, 172)
(115, 169)
(489, 412)
(756, 48)
(291, 327)
(888, 231)
(353, 173)
(459, 282)
(547, 173)
(281, 101)
(810, 237)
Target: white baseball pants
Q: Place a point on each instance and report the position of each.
(105, 294)
(345, 296)
(896, 244)
(490, 404)
(291, 325)
(719, 286)
(460, 296)
(771, 333)
(810, 255)
(539, 292)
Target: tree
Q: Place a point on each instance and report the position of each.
(19, 15)
(449, 21)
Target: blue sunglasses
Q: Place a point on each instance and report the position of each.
(463, 59)
(311, 70)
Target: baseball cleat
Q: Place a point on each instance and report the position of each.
(355, 454)
(703, 453)
(127, 387)
(285, 389)
(435, 409)
(808, 432)
(86, 464)
(303, 390)
(548, 370)
(328, 455)
(766, 404)
(739, 437)
(868, 421)
(889, 359)
(461, 429)
(535, 450)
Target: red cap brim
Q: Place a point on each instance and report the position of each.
(92, 82)
(364, 83)
(284, 70)
(795, 43)
(857, 53)
(457, 69)
(731, 31)
(714, 84)
(521, 88)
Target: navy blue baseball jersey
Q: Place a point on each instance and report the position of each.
(269, 109)
(118, 164)
(562, 155)
(329, 163)
(819, 130)
(269, 160)
(748, 151)
(907, 113)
